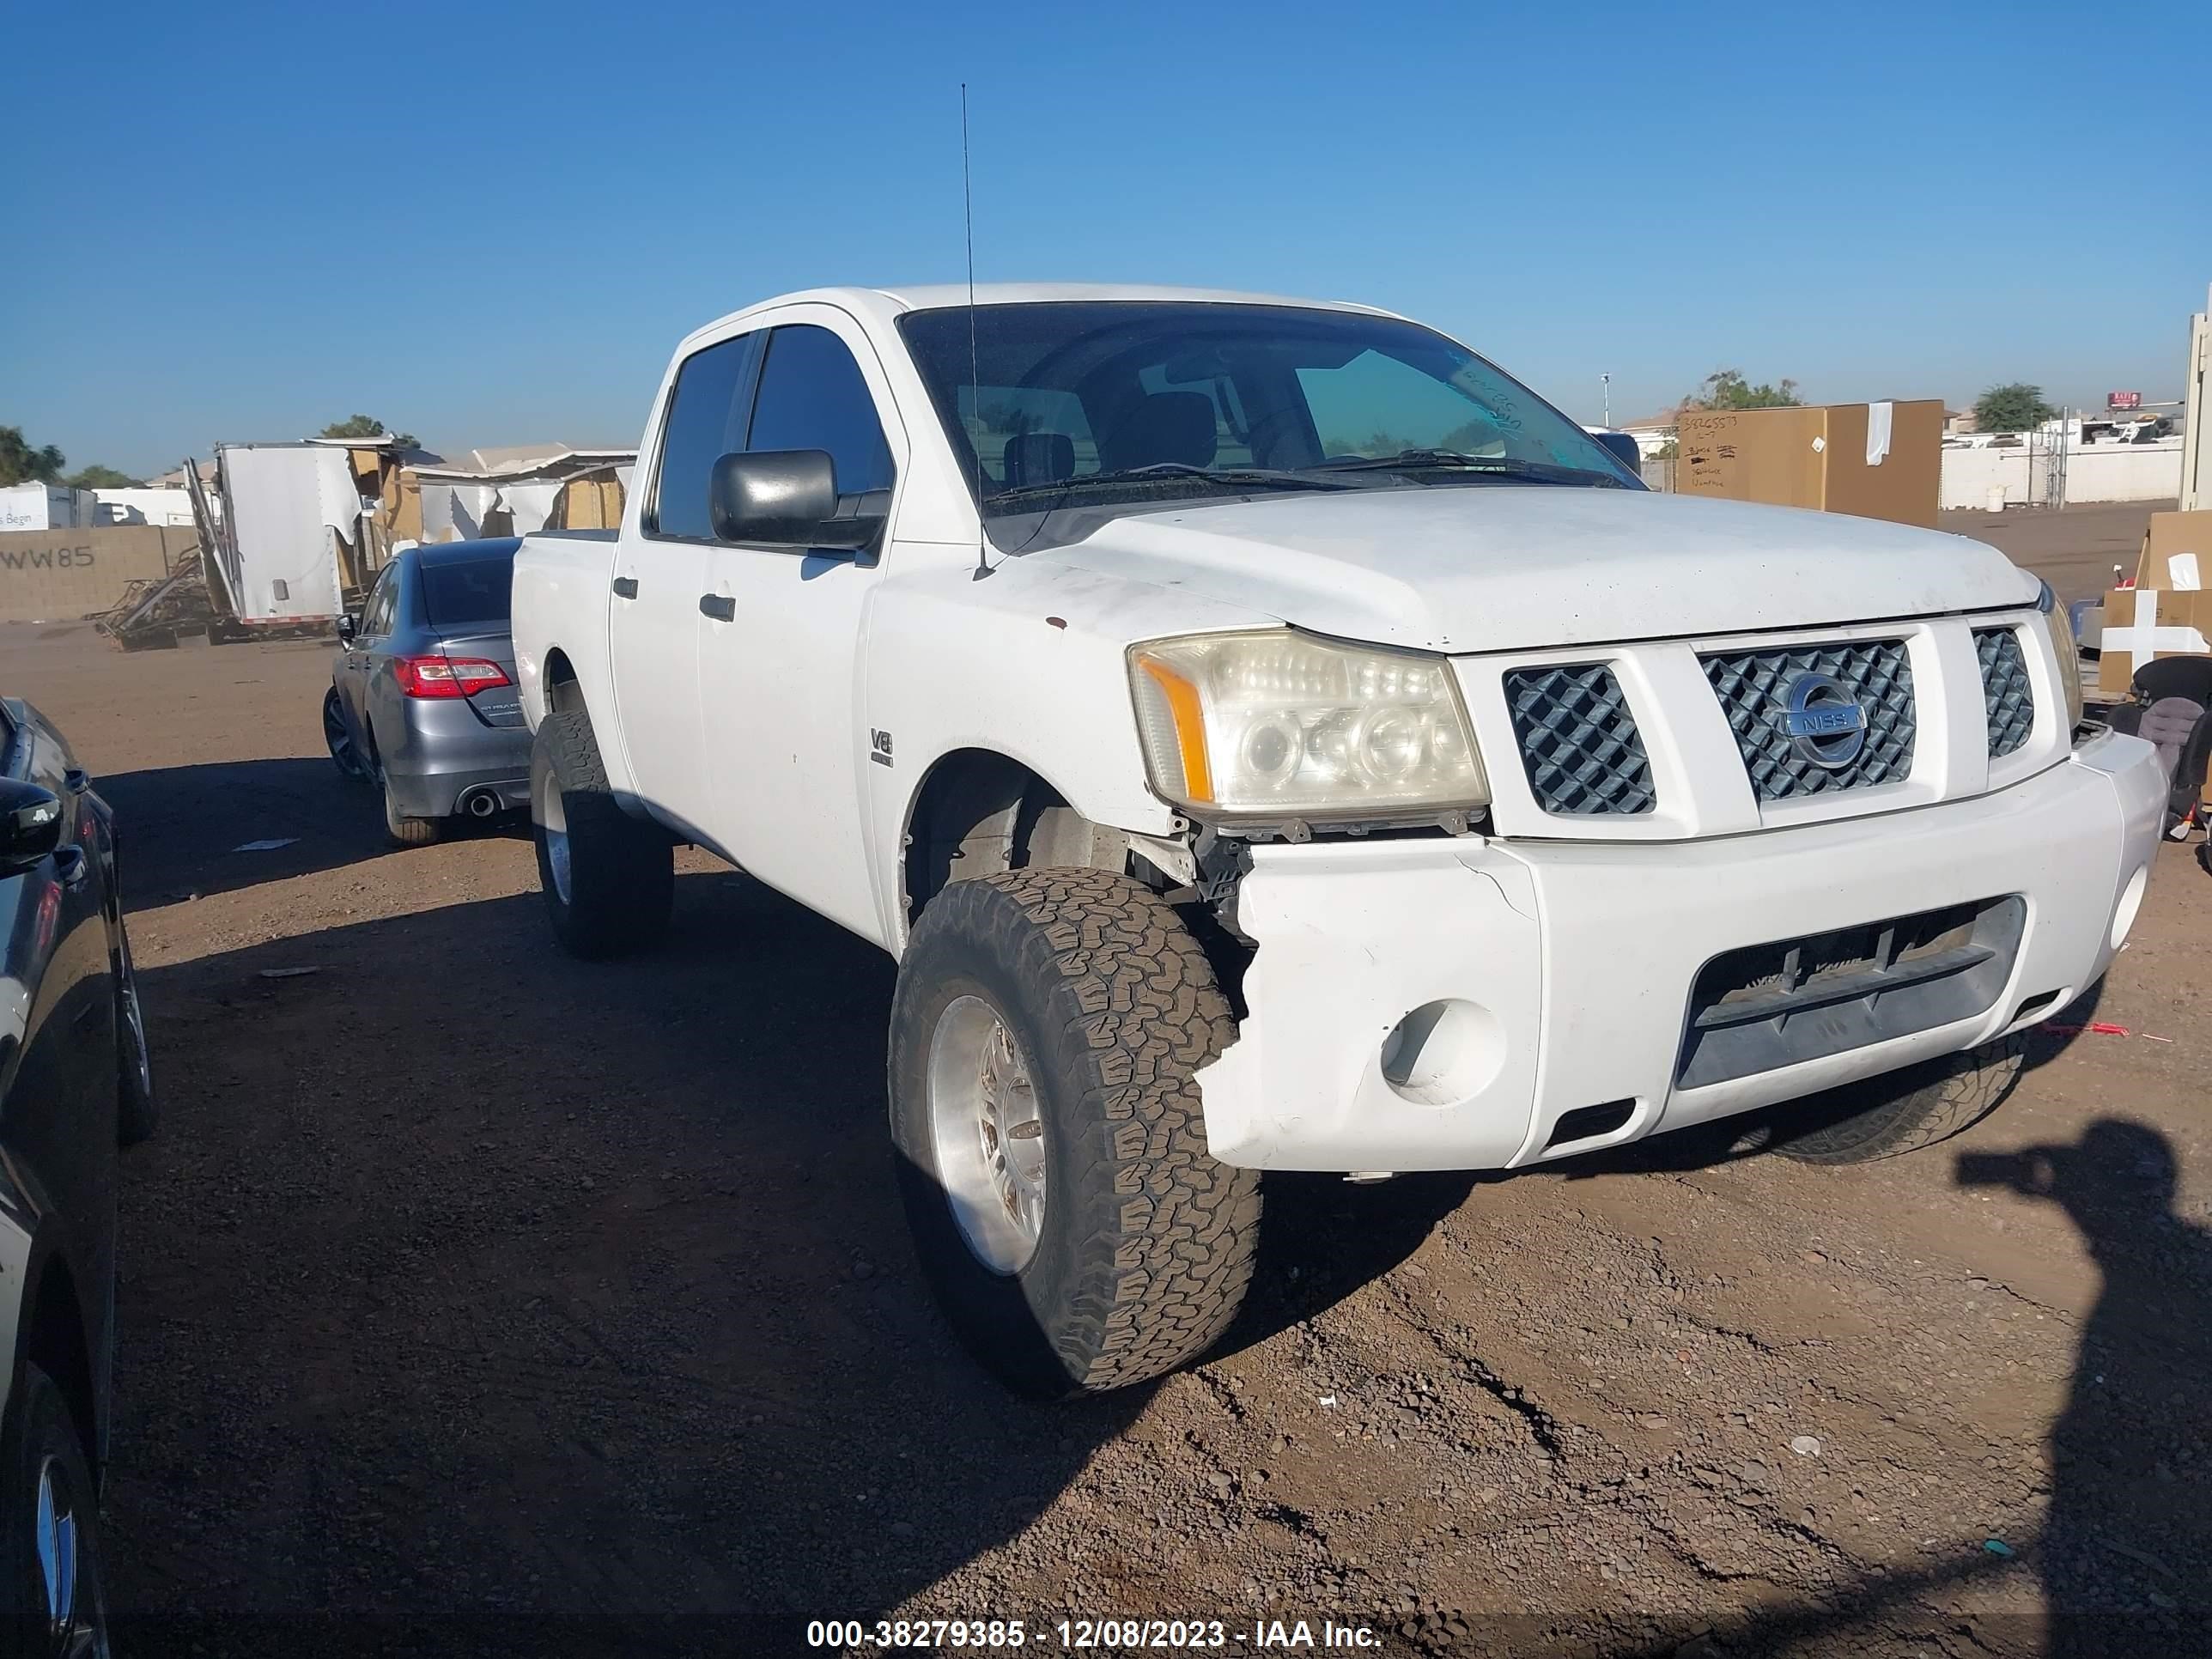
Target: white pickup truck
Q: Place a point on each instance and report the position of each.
(1269, 738)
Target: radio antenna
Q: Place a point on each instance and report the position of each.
(974, 373)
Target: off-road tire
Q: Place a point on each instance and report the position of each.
(1145, 1249)
(1902, 1112)
(622, 870)
(401, 830)
(42, 1437)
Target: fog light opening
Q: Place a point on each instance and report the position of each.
(1589, 1122)
(2130, 902)
(1442, 1052)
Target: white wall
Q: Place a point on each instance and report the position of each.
(148, 506)
(2094, 472)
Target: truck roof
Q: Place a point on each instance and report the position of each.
(887, 303)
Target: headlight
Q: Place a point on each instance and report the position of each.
(2060, 621)
(1277, 725)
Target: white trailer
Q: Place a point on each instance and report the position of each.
(284, 508)
(42, 507)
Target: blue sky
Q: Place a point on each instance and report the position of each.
(489, 223)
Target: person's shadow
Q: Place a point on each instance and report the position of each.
(2126, 1555)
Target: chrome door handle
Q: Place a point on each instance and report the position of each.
(720, 606)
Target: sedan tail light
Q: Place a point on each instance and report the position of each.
(448, 677)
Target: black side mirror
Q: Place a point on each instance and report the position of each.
(347, 629)
(1622, 447)
(788, 498)
(30, 825)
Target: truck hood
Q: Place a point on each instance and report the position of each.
(1494, 568)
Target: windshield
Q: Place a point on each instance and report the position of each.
(474, 591)
(1064, 399)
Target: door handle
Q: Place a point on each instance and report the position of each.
(70, 865)
(76, 780)
(720, 606)
(625, 587)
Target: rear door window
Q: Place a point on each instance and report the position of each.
(476, 591)
(706, 422)
(376, 617)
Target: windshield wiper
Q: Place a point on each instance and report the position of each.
(1267, 478)
(1503, 466)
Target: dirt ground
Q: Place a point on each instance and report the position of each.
(477, 1301)
(2074, 549)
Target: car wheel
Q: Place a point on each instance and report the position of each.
(1051, 1149)
(56, 1604)
(402, 829)
(137, 1116)
(1900, 1112)
(344, 755)
(609, 879)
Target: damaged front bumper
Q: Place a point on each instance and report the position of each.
(1554, 988)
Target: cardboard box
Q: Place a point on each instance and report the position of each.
(1819, 457)
(2143, 623)
(2172, 534)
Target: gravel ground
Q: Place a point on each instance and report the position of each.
(478, 1301)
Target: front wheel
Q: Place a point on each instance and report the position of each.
(1902, 1112)
(55, 1603)
(1052, 1154)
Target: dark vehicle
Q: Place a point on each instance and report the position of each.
(422, 699)
(74, 1086)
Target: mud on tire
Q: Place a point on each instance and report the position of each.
(1902, 1112)
(403, 830)
(1144, 1246)
(609, 878)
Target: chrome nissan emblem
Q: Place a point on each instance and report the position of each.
(1823, 721)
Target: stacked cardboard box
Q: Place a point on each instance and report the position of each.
(2168, 611)
(1877, 460)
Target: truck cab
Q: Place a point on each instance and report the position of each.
(1270, 737)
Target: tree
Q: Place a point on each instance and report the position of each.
(365, 425)
(2015, 406)
(96, 477)
(20, 464)
(1726, 388)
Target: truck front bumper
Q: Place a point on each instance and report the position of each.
(1545, 978)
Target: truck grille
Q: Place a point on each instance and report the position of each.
(1578, 741)
(2006, 692)
(1752, 685)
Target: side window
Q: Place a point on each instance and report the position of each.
(705, 422)
(812, 396)
(376, 616)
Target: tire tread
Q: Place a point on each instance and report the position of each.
(1162, 1253)
(1967, 1089)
